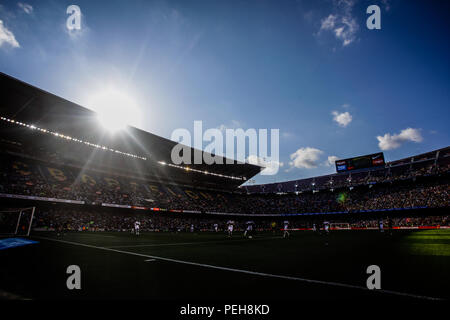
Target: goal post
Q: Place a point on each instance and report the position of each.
(16, 221)
(340, 226)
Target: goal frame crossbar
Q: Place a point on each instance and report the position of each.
(339, 226)
(20, 211)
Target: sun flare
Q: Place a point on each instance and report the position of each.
(115, 109)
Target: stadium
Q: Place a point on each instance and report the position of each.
(71, 194)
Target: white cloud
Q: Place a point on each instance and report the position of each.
(343, 118)
(330, 161)
(348, 31)
(25, 7)
(305, 158)
(389, 142)
(338, 31)
(7, 37)
(271, 166)
(341, 23)
(328, 23)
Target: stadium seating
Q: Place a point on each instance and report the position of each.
(423, 185)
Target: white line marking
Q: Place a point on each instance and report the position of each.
(4, 295)
(263, 274)
(160, 244)
(99, 235)
(189, 243)
(150, 260)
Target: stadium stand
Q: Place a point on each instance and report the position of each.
(51, 151)
(412, 187)
(428, 164)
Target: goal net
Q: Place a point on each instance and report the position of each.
(16, 221)
(340, 226)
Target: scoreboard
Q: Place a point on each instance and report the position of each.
(362, 162)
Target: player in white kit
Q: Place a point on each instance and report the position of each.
(286, 227)
(216, 227)
(326, 227)
(249, 229)
(230, 228)
(137, 225)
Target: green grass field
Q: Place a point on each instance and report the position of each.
(209, 266)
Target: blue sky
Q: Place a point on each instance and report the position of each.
(310, 68)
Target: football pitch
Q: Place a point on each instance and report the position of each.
(210, 266)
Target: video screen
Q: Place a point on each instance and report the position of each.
(363, 162)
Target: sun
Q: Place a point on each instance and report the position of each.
(115, 109)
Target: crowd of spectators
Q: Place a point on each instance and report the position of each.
(123, 221)
(389, 174)
(20, 177)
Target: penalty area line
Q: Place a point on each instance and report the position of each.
(262, 274)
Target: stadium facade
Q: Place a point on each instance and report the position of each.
(54, 151)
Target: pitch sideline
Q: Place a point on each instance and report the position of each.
(262, 274)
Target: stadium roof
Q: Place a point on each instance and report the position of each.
(33, 107)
